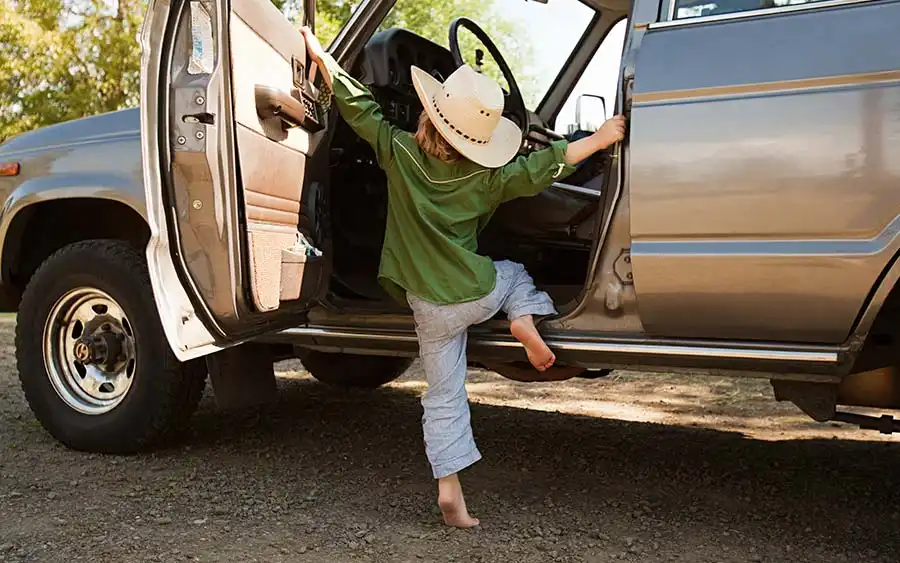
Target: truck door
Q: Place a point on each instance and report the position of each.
(232, 140)
(761, 203)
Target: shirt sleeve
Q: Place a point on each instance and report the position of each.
(361, 112)
(529, 175)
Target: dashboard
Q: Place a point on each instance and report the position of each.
(387, 59)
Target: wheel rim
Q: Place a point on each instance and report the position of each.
(89, 351)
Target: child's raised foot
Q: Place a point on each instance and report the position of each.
(539, 354)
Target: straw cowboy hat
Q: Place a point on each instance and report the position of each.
(466, 109)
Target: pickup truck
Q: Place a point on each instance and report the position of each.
(747, 225)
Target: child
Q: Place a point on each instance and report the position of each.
(443, 185)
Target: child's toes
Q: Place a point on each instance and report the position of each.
(550, 362)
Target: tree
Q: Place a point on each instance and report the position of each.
(431, 19)
(65, 59)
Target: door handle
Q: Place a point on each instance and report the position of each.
(274, 103)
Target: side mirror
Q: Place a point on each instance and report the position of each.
(590, 112)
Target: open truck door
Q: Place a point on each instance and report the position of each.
(230, 129)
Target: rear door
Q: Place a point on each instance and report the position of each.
(762, 206)
(232, 141)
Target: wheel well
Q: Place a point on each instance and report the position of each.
(882, 345)
(43, 228)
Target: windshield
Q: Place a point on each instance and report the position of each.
(535, 39)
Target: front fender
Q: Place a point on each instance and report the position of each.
(107, 170)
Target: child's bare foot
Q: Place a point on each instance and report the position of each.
(539, 354)
(453, 504)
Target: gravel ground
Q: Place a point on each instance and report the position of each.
(630, 468)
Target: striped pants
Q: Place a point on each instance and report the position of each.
(442, 333)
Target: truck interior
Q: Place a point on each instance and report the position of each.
(553, 234)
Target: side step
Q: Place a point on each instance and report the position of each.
(819, 364)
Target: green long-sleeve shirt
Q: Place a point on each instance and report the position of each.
(436, 209)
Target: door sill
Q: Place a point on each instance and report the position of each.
(804, 362)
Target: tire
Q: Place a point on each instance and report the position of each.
(121, 408)
(351, 370)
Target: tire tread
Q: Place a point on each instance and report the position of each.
(179, 386)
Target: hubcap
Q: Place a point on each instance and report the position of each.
(89, 351)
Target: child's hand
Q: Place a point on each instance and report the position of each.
(612, 131)
(313, 47)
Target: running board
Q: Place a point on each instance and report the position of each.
(806, 363)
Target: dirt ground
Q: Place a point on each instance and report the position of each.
(634, 467)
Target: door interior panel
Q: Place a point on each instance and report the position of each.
(271, 155)
(229, 202)
(255, 62)
(271, 191)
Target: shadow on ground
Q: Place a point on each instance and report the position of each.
(588, 475)
(334, 475)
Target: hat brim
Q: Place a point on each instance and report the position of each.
(504, 143)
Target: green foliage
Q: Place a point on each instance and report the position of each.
(65, 59)
(330, 17)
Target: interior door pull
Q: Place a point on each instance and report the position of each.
(293, 112)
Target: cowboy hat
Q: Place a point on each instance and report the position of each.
(467, 111)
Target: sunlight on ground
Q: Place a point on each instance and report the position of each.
(736, 405)
(501, 393)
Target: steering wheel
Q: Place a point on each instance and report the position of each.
(514, 105)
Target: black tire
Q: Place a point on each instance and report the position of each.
(351, 370)
(162, 392)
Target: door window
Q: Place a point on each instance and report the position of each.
(331, 15)
(687, 9)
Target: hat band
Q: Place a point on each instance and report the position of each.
(455, 129)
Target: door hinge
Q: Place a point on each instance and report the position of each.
(620, 289)
(623, 267)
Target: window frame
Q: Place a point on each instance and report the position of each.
(667, 12)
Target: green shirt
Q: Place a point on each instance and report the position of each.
(436, 209)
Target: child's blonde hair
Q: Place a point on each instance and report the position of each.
(433, 143)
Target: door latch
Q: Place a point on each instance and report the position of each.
(204, 118)
(628, 92)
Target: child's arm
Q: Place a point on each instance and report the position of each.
(532, 174)
(356, 104)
